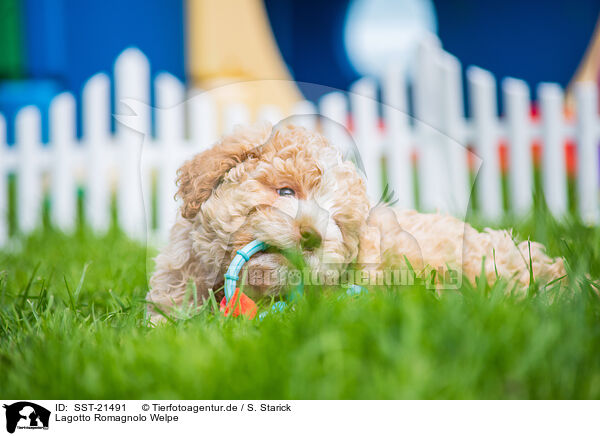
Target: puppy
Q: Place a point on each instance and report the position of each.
(290, 188)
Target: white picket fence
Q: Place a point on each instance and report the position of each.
(435, 130)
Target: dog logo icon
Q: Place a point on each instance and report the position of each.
(26, 415)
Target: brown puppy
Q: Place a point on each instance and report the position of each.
(291, 189)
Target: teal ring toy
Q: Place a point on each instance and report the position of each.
(241, 257)
(233, 272)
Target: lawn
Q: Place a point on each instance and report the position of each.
(71, 326)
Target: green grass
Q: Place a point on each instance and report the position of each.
(71, 326)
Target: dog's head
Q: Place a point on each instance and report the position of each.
(288, 187)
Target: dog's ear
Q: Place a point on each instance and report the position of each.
(199, 176)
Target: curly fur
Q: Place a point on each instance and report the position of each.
(230, 198)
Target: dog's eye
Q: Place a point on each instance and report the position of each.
(285, 192)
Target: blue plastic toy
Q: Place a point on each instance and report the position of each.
(232, 276)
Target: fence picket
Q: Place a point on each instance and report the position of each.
(363, 100)
(132, 88)
(304, 113)
(553, 155)
(431, 160)
(586, 96)
(397, 130)
(334, 106)
(29, 180)
(170, 118)
(234, 115)
(334, 113)
(63, 192)
(516, 102)
(452, 126)
(202, 120)
(334, 124)
(3, 184)
(270, 113)
(97, 142)
(482, 91)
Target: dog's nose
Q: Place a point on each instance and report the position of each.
(310, 238)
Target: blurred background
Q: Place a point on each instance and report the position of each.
(50, 46)
(509, 84)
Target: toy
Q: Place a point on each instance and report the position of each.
(235, 302)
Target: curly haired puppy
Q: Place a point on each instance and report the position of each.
(290, 188)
